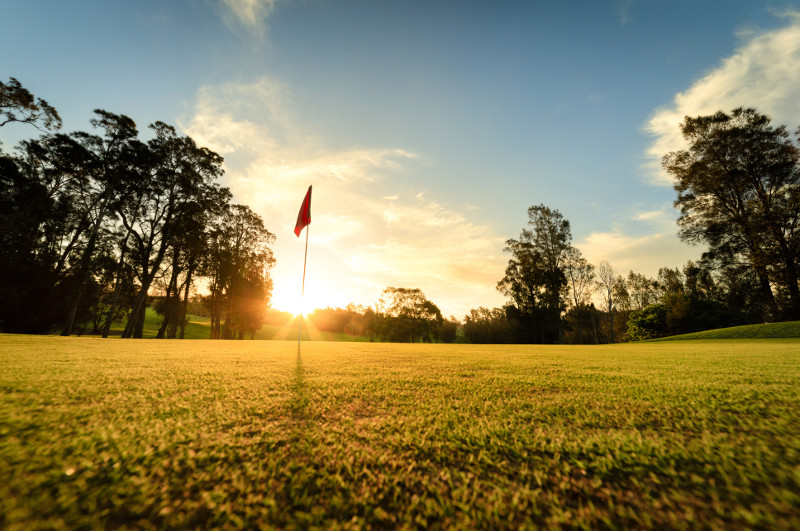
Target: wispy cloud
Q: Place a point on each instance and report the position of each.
(252, 14)
(763, 73)
(369, 229)
(643, 254)
(623, 9)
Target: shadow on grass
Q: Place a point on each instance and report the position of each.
(299, 402)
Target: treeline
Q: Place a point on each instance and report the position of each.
(738, 191)
(92, 223)
(402, 315)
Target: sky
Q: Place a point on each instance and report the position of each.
(427, 128)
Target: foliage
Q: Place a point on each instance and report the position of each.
(353, 320)
(90, 222)
(738, 190)
(680, 314)
(407, 316)
(139, 434)
(449, 330)
(239, 262)
(17, 104)
(483, 325)
(535, 280)
(648, 323)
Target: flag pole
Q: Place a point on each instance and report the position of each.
(303, 290)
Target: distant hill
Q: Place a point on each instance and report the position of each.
(789, 329)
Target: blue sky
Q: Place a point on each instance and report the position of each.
(426, 127)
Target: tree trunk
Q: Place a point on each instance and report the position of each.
(83, 269)
(115, 298)
(165, 322)
(611, 322)
(184, 312)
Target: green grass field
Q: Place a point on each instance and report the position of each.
(685, 434)
(756, 331)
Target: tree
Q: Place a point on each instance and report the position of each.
(483, 325)
(63, 188)
(237, 266)
(535, 280)
(606, 279)
(178, 174)
(408, 316)
(449, 330)
(109, 160)
(641, 290)
(17, 104)
(738, 190)
(580, 276)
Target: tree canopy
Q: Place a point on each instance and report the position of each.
(738, 188)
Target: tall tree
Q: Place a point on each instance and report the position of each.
(606, 279)
(237, 266)
(738, 190)
(110, 160)
(535, 280)
(179, 172)
(580, 277)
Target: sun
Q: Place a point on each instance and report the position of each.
(295, 306)
(315, 297)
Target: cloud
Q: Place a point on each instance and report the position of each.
(643, 254)
(252, 14)
(369, 229)
(763, 73)
(623, 9)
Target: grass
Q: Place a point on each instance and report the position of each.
(151, 434)
(789, 329)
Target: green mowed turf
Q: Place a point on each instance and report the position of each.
(109, 433)
(756, 331)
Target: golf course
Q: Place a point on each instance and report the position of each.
(242, 434)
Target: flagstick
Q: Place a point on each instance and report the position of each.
(303, 290)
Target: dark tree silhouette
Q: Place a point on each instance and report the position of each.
(17, 104)
(535, 279)
(738, 190)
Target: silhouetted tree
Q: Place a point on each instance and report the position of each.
(180, 173)
(17, 104)
(408, 317)
(483, 325)
(535, 279)
(738, 190)
(580, 281)
(606, 284)
(237, 265)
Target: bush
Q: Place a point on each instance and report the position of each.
(678, 313)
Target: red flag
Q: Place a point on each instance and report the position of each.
(304, 217)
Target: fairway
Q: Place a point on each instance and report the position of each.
(106, 433)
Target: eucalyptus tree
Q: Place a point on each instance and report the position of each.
(535, 279)
(738, 187)
(580, 278)
(606, 285)
(187, 249)
(179, 173)
(110, 161)
(408, 316)
(17, 104)
(237, 264)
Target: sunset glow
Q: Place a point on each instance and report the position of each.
(423, 164)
